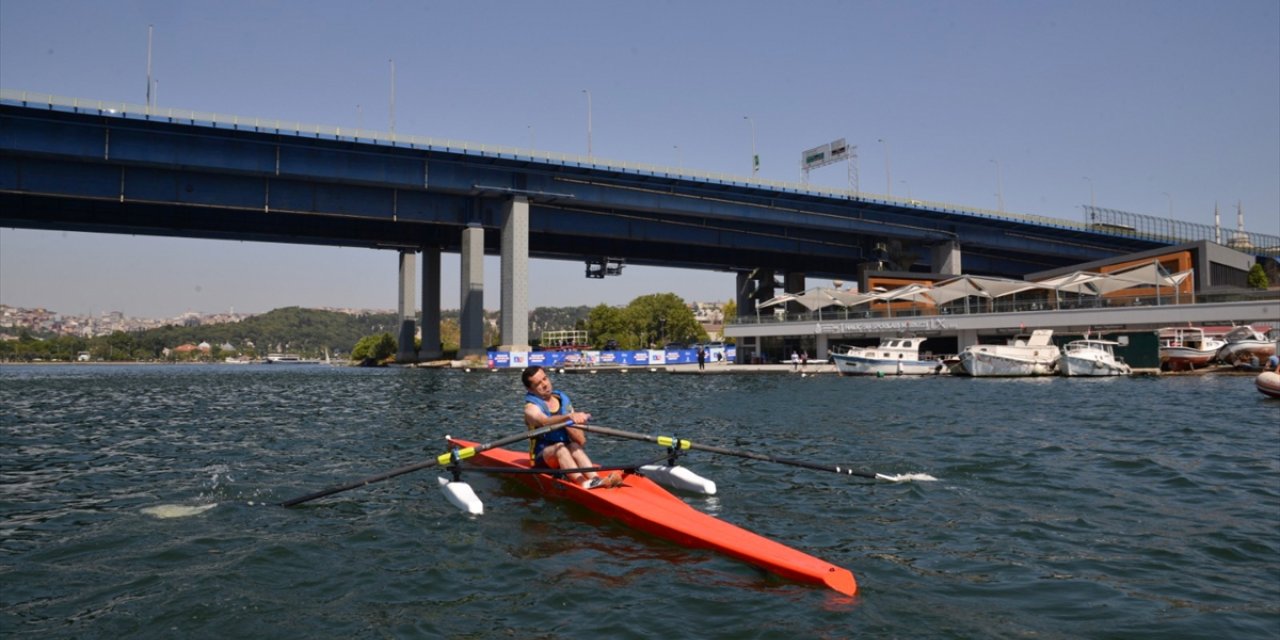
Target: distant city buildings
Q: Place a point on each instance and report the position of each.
(15, 320)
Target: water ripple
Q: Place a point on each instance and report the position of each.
(1064, 509)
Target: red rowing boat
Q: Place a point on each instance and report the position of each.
(647, 507)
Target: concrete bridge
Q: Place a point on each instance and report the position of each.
(115, 168)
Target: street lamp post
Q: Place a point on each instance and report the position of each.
(755, 157)
(888, 170)
(588, 92)
(679, 157)
(999, 186)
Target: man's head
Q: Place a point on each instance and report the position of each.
(535, 377)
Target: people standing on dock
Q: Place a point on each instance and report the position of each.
(702, 358)
(562, 448)
(795, 360)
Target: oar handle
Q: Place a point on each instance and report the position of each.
(440, 460)
(668, 441)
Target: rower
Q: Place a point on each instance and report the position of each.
(562, 448)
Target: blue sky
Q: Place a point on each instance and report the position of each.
(1157, 107)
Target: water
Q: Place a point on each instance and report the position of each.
(1116, 508)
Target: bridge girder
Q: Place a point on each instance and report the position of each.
(76, 171)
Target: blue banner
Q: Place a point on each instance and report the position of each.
(639, 358)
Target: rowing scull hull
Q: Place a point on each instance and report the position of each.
(647, 507)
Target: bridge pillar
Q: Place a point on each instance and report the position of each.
(431, 347)
(471, 308)
(746, 304)
(946, 258)
(405, 351)
(514, 322)
(793, 281)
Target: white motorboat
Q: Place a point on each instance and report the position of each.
(1091, 358)
(1185, 348)
(894, 357)
(1245, 343)
(1023, 356)
(288, 358)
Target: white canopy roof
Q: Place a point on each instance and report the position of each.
(955, 288)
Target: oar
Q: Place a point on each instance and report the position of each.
(668, 441)
(441, 460)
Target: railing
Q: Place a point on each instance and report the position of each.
(985, 306)
(127, 110)
(1137, 225)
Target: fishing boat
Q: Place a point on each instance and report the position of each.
(1091, 358)
(1185, 348)
(643, 505)
(1022, 356)
(1245, 344)
(894, 357)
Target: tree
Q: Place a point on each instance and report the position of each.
(1258, 277)
(730, 311)
(660, 318)
(375, 348)
(605, 323)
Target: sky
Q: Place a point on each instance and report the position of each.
(1163, 108)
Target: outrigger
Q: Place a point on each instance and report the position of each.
(638, 501)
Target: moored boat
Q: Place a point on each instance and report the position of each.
(1022, 356)
(1185, 348)
(643, 505)
(894, 356)
(1245, 344)
(1091, 358)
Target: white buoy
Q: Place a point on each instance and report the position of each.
(679, 478)
(461, 495)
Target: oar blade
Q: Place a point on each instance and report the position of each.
(906, 477)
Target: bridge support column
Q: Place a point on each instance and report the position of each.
(746, 304)
(515, 275)
(793, 281)
(405, 351)
(946, 258)
(431, 347)
(823, 345)
(471, 307)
